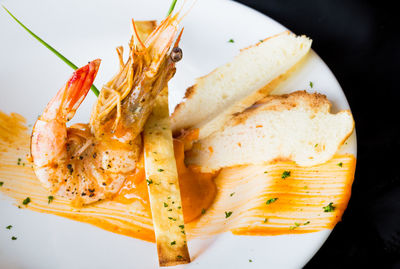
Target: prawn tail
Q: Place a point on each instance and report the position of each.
(70, 97)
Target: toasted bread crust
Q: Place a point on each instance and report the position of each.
(232, 87)
(313, 101)
(297, 127)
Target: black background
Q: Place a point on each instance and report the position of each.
(359, 41)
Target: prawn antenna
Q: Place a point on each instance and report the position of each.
(136, 34)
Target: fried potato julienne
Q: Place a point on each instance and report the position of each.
(163, 185)
(162, 178)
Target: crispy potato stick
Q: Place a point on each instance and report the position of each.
(163, 186)
(162, 177)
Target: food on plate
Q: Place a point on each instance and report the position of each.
(87, 163)
(295, 127)
(241, 161)
(238, 84)
(243, 190)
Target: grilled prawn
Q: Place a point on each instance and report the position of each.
(89, 162)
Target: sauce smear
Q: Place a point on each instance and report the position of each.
(246, 200)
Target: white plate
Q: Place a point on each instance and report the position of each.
(85, 30)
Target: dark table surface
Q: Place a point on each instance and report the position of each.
(360, 42)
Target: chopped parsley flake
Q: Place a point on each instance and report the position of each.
(1, 183)
(228, 214)
(270, 201)
(265, 172)
(26, 201)
(296, 224)
(285, 174)
(231, 40)
(250, 260)
(179, 257)
(340, 164)
(9, 227)
(149, 181)
(203, 211)
(13, 238)
(51, 198)
(160, 170)
(265, 220)
(181, 226)
(232, 194)
(316, 145)
(171, 218)
(306, 223)
(165, 204)
(173, 243)
(329, 208)
(311, 84)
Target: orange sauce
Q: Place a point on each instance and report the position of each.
(261, 202)
(135, 187)
(197, 189)
(187, 137)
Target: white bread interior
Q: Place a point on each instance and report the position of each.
(238, 84)
(297, 127)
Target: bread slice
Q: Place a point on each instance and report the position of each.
(297, 127)
(238, 84)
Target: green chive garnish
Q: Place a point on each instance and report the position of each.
(58, 54)
(171, 8)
